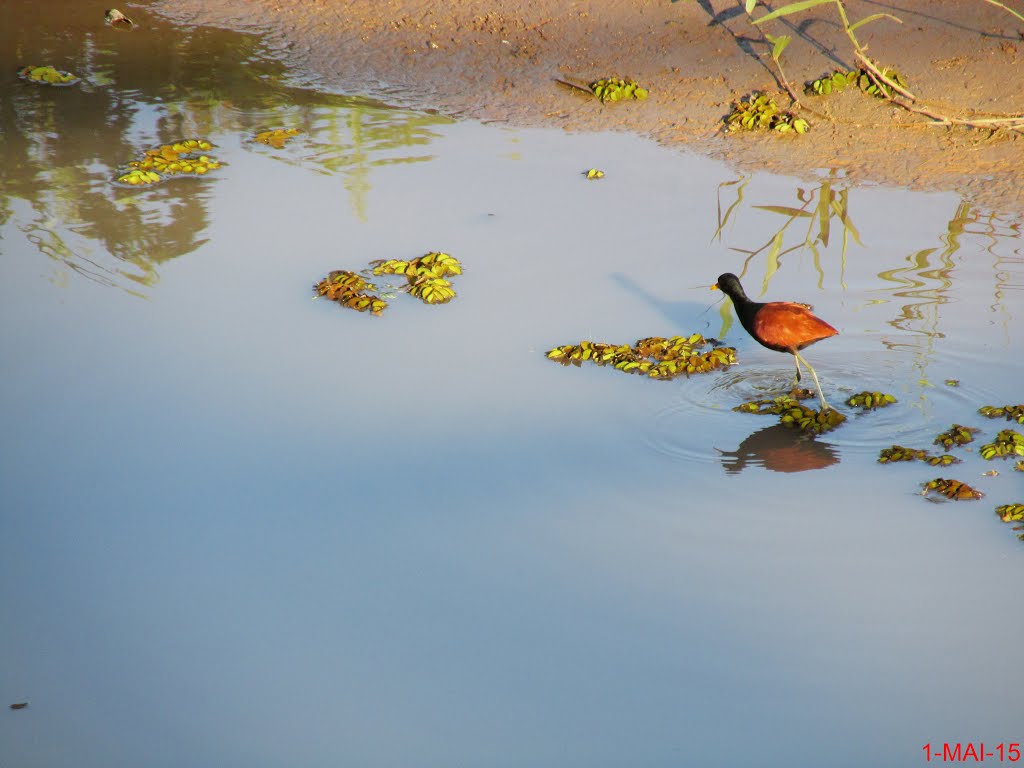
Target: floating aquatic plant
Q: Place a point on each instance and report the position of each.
(655, 356)
(276, 138)
(1007, 443)
(870, 400)
(47, 75)
(1011, 513)
(761, 112)
(594, 173)
(840, 79)
(118, 20)
(425, 275)
(1009, 412)
(899, 453)
(957, 434)
(952, 489)
(350, 290)
(616, 89)
(425, 280)
(433, 264)
(181, 158)
(808, 420)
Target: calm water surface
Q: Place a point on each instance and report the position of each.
(239, 527)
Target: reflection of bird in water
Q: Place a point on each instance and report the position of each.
(784, 326)
(779, 449)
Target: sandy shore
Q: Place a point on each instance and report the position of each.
(498, 60)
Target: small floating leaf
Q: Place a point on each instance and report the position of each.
(277, 137)
(594, 173)
(117, 19)
(952, 382)
(19, 705)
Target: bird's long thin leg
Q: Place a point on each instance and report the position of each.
(816, 383)
(796, 359)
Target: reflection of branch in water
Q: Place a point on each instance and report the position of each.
(927, 280)
(50, 244)
(818, 206)
(779, 449)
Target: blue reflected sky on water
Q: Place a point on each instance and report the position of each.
(242, 527)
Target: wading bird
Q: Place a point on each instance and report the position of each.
(784, 326)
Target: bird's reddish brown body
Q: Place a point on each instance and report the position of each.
(787, 326)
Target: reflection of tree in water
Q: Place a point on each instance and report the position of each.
(63, 146)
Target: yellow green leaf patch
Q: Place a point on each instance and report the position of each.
(617, 89)
(870, 400)
(656, 357)
(277, 137)
(47, 75)
(760, 112)
(182, 158)
(1009, 412)
(1007, 443)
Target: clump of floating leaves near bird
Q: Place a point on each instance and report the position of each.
(792, 413)
(655, 356)
(277, 137)
(1007, 443)
(840, 79)
(899, 453)
(426, 279)
(350, 290)
(761, 112)
(870, 400)
(799, 416)
(182, 158)
(951, 489)
(1009, 412)
(957, 434)
(47, 75)
(616, 89)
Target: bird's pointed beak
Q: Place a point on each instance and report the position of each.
(714, 287)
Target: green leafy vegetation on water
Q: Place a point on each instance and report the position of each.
(870, 400)
(952, 489)
(425, 280)
(655, 356)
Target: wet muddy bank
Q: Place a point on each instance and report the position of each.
(498, 61)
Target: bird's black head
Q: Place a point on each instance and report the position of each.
(729, 284)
